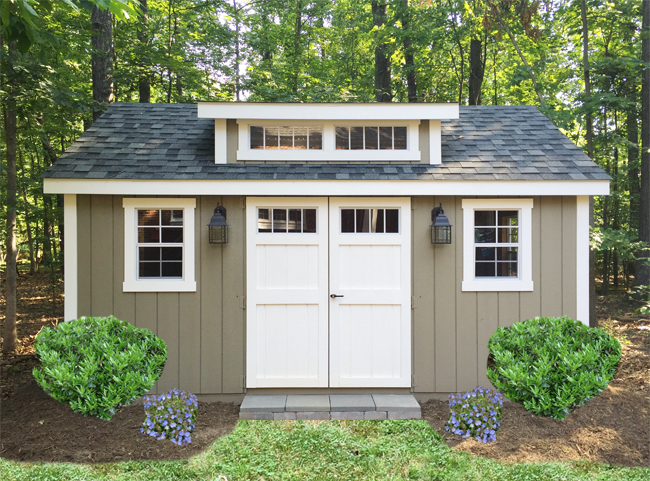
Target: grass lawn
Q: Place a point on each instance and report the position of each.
(346, 450)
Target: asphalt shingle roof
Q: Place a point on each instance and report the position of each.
(169, 141)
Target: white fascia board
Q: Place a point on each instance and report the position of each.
(326, 187)
(71, 282)
(582, 259)
(338, 111)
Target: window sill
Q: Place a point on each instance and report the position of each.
(159, 286)
(497, 286)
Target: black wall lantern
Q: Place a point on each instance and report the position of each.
(217, 228)
(440, 228)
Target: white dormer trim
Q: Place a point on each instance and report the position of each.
(329, 152)
(323, 111)
(435, 142)
(220, 141)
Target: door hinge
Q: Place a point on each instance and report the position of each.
(243, 202)
(412, 302)
(243, 381)
(242, 302)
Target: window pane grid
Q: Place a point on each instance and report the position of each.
(496, 243)
(159, 244)
(286, 137)
(370, 138)
(286, 220)
(369, 221)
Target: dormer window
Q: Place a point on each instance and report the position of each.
(371, 138)
(286, 137)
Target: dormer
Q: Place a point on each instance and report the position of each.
(343, 132)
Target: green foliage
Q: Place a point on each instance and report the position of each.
(552, 365)
(98, 364)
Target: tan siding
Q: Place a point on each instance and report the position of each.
(551, 269)
(124, 305)
(210, 287)
(488, 321)
(508, 308)
(465, 311)
(232, 137)
(422, 273)
(84, 250)
(424, 141)
(444, 301)
(569, 254)
(233, 297)
(101, 268)
(146, 317)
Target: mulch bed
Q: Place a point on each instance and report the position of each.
(612, 428)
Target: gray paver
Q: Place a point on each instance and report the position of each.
(286, 416)
(313, 416)
(308, 402)
(347, 415)
(272, 404)
(403, 414)
(375, 415)
(394, 402)
(352, 402)
(256, 416)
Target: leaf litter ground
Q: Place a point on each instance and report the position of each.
(612, 428)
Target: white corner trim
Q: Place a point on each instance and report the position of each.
(524, 282)
(298, 187)
(70, 257)
(582, 259)
(220, 141)
(435, 142)
(325, 111)
(131, 282)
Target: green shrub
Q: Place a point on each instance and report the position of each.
(97, 365)
(551, 365)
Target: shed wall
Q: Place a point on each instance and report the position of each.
(451, 328)
(204, 330)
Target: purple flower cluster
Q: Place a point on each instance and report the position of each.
(170, 416)
(475, 413)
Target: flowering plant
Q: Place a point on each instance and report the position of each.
(170, 416)
(475, 413)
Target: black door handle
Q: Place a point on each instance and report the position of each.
(333, 296)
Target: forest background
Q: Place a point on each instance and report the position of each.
(581, 62)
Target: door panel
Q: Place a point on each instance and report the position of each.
(287, 303)
(370, 326)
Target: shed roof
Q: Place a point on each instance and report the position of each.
(169, 141)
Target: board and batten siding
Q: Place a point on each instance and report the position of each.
(204, 330)
(451, 328)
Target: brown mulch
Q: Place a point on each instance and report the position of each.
(612, 428)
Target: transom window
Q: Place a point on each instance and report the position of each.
(286, 138)
(283, 220)
(496, 239)
(160, 243)
(370, 138)
(370, 221)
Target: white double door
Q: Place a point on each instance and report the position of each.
(328, 297)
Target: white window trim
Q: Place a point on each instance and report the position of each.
(131, 281)
(329, 152)
(524, 281)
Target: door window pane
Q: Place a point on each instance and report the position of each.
(347, 220)
(362, 220)
(263, 220)
(279, 220)
(295, 220)
(378, 226)
(309, 225)
(392, 221)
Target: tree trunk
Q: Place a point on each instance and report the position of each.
(593, 321)
(642, 268)
(11, 130)
(296, 46)
(144, 84)
(30, 237)
(475, 72)
(409, 62)
(102, 58)
(382, 61)
(634, 186)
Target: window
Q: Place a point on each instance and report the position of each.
(370, 138)
(497, 245)
(286, 138)
(370, 221)
(159, 245)
(282, 220)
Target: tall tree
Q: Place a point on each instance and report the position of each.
(642, 268)
(102, 58)
(10, 121)
(476, 70)
(144, 83)
(383, 92)
(409, 62)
